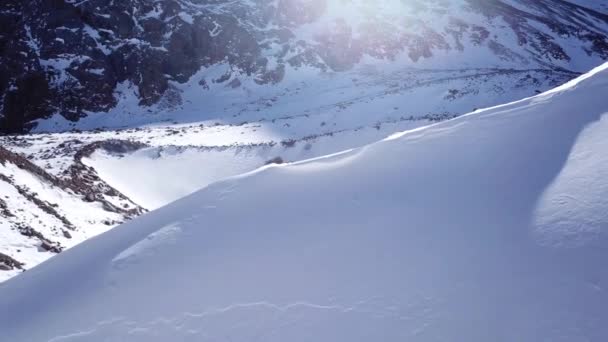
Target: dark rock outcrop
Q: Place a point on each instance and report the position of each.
(8, 263)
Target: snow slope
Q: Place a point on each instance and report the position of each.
(160, 174)
(323, 116)
(489, 227)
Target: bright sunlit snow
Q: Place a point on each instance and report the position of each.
(489, 227)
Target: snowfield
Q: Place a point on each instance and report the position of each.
(489, 227)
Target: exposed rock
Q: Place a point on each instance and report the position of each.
(26, 211)
(276, 160)
(84, 180)
(289, 143)
(50, 246)
(66, 234)
(4, 209)
(90, 197)
(69, 57)
(8, 263)
(45, 243)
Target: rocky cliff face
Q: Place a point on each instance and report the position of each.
(68, 57)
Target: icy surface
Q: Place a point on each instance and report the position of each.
(439, 234)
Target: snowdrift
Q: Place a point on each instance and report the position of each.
(489, 227)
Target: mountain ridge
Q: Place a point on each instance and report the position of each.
(75, 56)
(390, 241)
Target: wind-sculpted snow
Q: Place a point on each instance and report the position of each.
(262, 321)
(436, 234)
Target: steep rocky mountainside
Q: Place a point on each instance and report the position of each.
(72, 57)
(41, 213)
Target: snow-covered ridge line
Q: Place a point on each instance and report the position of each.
(287, 127)
(501, 212)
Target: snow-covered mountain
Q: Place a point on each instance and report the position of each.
(121, 63)
(491, 226)
(102, 178)
(191, 92)
(148, 167)
(188, 93)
